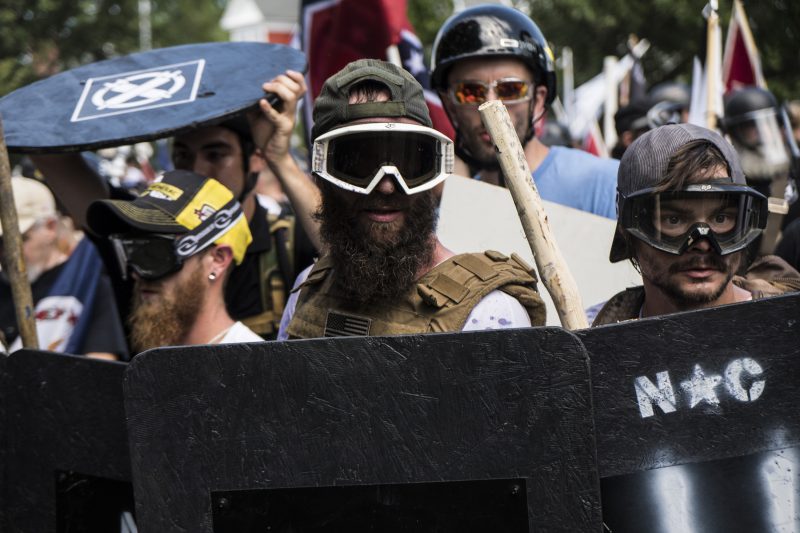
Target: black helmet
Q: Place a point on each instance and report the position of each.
(756, 128)
(670, 91)
(743, 102)
(492, 31)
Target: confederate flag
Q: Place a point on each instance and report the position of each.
(741, 66)
(336, 32)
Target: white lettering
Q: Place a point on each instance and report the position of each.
(734, 383)
(647, 394)
(701, 387)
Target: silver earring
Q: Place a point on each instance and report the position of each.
(212, 276)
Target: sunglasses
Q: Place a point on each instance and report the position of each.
(151, 257)
(507, 90)
(356, 158)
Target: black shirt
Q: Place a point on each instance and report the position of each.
(104, 334)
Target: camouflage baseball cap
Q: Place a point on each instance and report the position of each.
(332, 109)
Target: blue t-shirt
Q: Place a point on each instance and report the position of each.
(579, 179)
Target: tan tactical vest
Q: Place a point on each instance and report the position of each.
(440, 301)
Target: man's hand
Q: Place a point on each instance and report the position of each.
(271, 128)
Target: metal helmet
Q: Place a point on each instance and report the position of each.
(746, 104)
(754, 123)
(492, 31)
(670, 91)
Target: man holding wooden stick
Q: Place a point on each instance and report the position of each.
(494, 52)
(377, 160)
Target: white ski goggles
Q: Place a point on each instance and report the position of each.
(356, 158)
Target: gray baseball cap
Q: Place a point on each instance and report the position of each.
(644, 166)
(332, 107)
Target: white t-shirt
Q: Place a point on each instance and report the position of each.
(497, 310)
(240, 333)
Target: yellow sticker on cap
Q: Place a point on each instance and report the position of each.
(163, 191)
(211, 197)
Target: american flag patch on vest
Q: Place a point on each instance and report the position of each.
(343, 325)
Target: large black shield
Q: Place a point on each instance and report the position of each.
(485, 431)
(141, 96)
(67, 466)
(697, 425)
(4, 386)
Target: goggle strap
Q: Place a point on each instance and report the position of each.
(122, 257)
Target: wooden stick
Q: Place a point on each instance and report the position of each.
(551, 265)
(12, 250)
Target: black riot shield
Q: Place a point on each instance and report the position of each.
(486, 431)
(697, 425)
(67, 467)
(4, 385)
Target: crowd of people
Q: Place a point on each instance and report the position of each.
(198, 258)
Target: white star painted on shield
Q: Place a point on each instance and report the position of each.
(701, 387)
(415, 64)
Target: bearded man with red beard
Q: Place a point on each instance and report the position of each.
(686, 216)
(377, 160)
(179, 241)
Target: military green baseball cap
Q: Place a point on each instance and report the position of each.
(331, 108)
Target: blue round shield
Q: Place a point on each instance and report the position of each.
(142, 96)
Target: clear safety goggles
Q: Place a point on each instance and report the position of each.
(356, 158)
(475, 92)
(729, 216)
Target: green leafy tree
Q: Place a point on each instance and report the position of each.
(43, 37)
(427, 17)
(676, 30)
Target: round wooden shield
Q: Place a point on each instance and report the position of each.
(142, 96)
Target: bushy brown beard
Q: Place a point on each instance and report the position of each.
(166, 320)
(377, 262)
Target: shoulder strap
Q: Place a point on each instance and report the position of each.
(274, 274)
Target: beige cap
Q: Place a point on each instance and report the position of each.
(33, 200)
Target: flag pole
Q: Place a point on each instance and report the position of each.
(712, 63)
(551, 265)
(13, 263)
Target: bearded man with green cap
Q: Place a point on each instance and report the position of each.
(377, 159)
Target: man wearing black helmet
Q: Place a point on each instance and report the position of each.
(760, 132)
(668, 103)
(492, 52)
(232, 152)
(685, 216)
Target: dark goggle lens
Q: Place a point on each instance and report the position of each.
(357, 157)
(667, 221)
(151, 258)
(475, 92)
